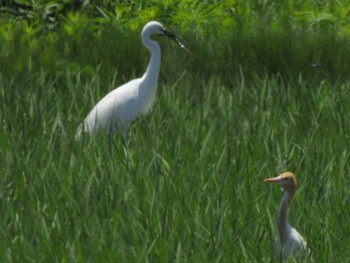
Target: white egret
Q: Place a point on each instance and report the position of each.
(121, 106)
(290, 242)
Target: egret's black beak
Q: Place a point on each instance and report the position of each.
(176, 38)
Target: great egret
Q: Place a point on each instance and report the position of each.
(290, 242)
(121, 106)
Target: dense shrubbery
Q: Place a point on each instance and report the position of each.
(261, 38)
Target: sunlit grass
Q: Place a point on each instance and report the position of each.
(187, 186)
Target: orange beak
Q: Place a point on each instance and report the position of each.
(273, 180)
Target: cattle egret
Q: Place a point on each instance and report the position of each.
(290, 242)
(121, 106)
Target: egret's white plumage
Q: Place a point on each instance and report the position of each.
(290, 242)
(121, 106)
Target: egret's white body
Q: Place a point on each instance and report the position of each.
(290, 242)
(121, 106)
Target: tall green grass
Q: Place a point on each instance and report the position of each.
(187, 186)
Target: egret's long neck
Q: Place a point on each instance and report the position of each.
(282, 221)
(152, 72)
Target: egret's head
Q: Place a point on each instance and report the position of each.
(156, 28)
(153, 27)
(286, 180)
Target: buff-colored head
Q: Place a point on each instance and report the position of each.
(286, 180)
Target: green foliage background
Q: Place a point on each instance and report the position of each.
(247, 104)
